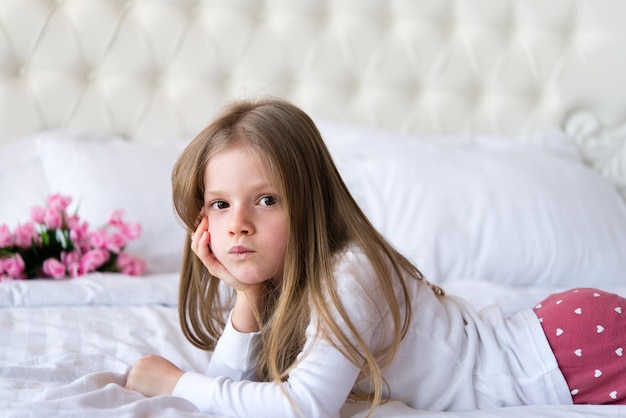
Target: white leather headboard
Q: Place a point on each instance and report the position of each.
(161, 68)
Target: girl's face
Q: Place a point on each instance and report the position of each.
(247, 216)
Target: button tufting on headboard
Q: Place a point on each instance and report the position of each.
(156, 68)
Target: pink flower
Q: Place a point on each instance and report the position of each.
(6, 237)
(127, 264)
(58, 202)
(37, 214)
(53, 268)
(71, 261)
(115, 242)
(98, 238)
(115, 218)
(93, 259)
(79, 231)
(130, 230)
(71, 257)
(79, 234)
(71, 220)
(13, 266)
(74, 270)
(53, 219)
(25, 234)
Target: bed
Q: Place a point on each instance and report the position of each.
(484, 138)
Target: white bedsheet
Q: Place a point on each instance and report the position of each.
(66, 347)
(59, 361)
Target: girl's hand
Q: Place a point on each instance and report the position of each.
(152, 376)
(200, 241)
(249, 297)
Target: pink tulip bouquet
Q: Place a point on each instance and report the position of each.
(56, 244)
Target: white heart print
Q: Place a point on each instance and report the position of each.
(597, 373)
(600, 328)
(613, 394)
(578, 311)
(618, 309)
(559, 332)
(619, 351)
(578, 352)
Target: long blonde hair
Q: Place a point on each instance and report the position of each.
(323, 219)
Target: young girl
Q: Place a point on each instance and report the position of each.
(306, 305)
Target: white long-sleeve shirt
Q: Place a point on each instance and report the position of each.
(452, 358)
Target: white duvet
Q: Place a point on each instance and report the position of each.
(66, 347)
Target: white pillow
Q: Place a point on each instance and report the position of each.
(491, 208)
(22, 181)
(104, 175)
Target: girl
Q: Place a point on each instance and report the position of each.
(305, 304)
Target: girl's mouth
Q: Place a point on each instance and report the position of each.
(240, 250)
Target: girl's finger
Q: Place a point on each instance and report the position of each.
(195, 237)
(203, 251)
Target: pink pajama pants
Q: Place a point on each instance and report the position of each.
(586, 329)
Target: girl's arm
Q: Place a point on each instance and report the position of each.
(321, 382)
(317, 387)
(246, 303)
(236, 351)
(235, 354)
(234, 357)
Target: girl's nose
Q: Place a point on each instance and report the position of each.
(241, 223)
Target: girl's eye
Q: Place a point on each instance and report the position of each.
(220, 204)
(268, 200)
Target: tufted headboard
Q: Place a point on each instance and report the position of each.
(149, 69)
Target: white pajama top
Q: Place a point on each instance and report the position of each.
(452, 358)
